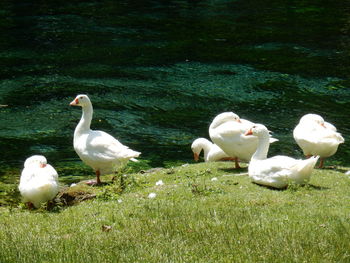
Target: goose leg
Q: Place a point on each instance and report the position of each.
(237, 163)
(30, 205)
(321, 163)
(98, 181)
(93, 182)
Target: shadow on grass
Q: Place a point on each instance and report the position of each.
(234, 170)
(316, 187)
(270, 187)
(294, 187)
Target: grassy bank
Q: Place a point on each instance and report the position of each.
(193, 218)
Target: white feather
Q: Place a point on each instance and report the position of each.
(277, 171)
(317, 137)
(98, 149)
(227, 131)
(38, 184)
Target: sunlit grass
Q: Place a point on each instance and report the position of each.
(191, 219)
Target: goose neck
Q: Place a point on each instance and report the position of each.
(220, 120)
(262, 149)
(85, 121)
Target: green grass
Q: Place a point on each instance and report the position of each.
(192, 219)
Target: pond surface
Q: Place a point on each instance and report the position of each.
(158, 72)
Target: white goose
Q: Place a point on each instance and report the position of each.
(317, 137)
(277, 171)
(99, 150)
(227, 131)
(39, 181)
(212, 152)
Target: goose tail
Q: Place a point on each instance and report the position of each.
(305, 167)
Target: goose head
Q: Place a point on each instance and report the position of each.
(81, 100)
(312, 118)
(258, 130)
(196, 151)
(197, 146)
(223, 118)
(35, 160)
(229, 116)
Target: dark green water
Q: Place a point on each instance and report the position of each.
(158, 72)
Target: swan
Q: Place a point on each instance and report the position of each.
(212, 152)
(39, 181)
(99, 150)
(227, 131)
(277, 171)
(317, 137)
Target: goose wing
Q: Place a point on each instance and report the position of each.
(103, 146)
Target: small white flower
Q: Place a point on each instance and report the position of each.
(214, 179)
(73, 185)
(152, 195)
(347, 173)
(120, 201)
(160, 182)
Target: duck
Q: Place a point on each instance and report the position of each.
(278, 171)
(212, 152)
(38, 182)
(98, 149)
(317, 137)
(227, 131)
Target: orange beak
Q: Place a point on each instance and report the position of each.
(249, 132)
(74, 102)
(196, 157)
(42, 165)
(324, 126)
(239, 120)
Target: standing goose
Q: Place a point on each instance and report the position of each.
(39, 181)
(277, 171)
(99, 150)
(317, 137)
(227, 131)
(212, 152)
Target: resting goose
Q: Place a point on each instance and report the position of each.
(39, 181)
(227, 131)
(317, 137)
(99, 150)
(212, 152)
(277, 171)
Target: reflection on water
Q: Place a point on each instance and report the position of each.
(158, 72)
